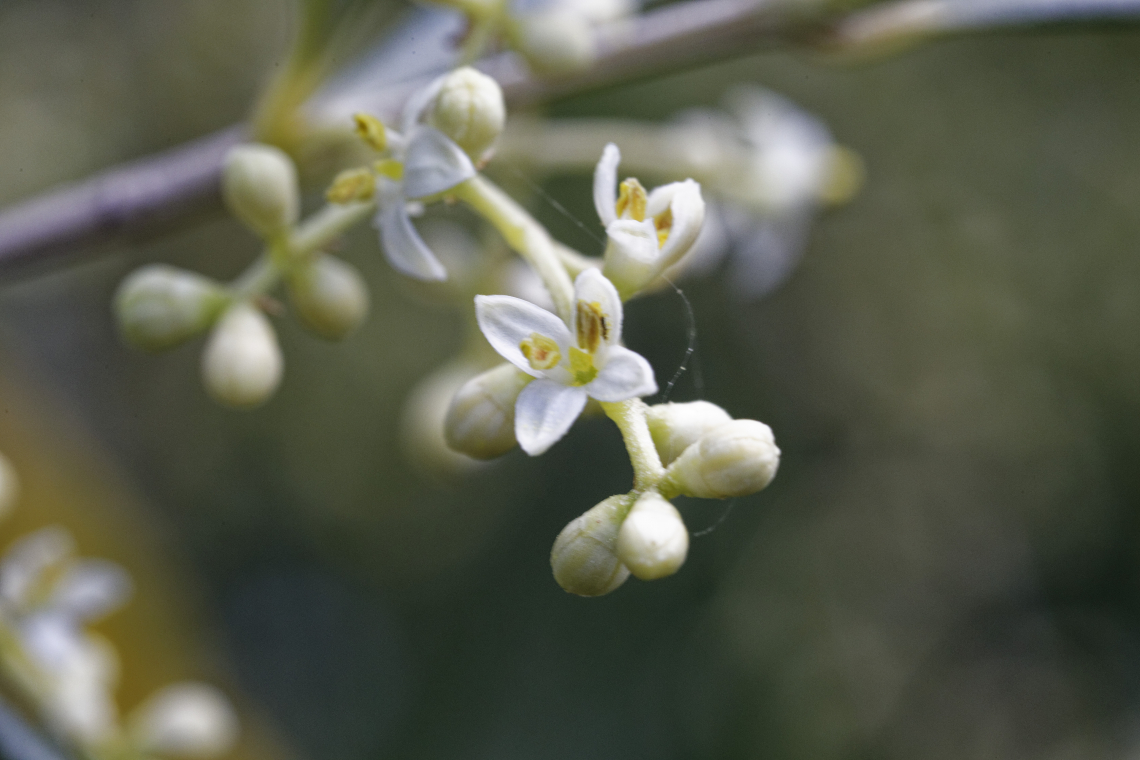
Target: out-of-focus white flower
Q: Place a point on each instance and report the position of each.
(191, 720)
(569, 367)
(558, 36)
(46, 597)
(774, 164)
(648, 233)
(24, 570)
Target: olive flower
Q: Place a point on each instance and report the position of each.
(648, 232)
(568, 366)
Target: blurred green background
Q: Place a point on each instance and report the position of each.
(946, 566)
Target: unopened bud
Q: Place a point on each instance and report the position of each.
(330, 296)
(653, 540)
(555, 41)
(159, 306)
(242, 364)
(259, 184)
(675, 426)
(735, 459)
(584, 557)
(190, 720)
(481, 419)
(469, 109)
(9, 486)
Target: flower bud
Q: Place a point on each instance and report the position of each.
(653, 540)
(555, 42)
(159, 306)
(584, 558)
(469, 109)
(259, 184)
(735, 459)
(422, 423)
(241, 365)
(675, 426)
(481, 419)
(9, 486)
(191, 720)
(330, 296)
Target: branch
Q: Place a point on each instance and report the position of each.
(141, 198)
(157, 193)
(888, 25)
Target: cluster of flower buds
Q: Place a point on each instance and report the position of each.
(706, 454)
(48, 598)
(160, 306)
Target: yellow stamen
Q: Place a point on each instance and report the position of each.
(540, 351)
(371, 130)
(582, 366)
(664, 224)
(592, 327)
(390, 168)
(631, 200)
(351, 185)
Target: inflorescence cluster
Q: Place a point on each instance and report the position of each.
(557, 328)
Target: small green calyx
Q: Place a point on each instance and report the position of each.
(582, 366)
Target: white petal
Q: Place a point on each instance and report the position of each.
(545, 411)
(688, 208)
(418, 103)
(631, 255)
(507, 321)
(593, 287)
(625, 375)
(403, 246)
(605, 184)
(433, 164)
(186, 720)
(90, 589)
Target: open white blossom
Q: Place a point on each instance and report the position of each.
(426, 162)
(648, 232)
(569, 366)
(785, 165)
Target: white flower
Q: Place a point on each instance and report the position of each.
(647, 233)
(560, 36)
(429, 163)
(569, 366)
(188, 719)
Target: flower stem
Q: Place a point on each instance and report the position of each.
(631, 420)
(522, 233)
(309, 237)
